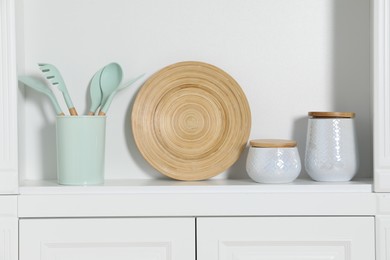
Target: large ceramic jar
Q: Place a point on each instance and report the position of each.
(273, 161)
(331, 149)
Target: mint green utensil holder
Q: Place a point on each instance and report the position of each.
(80, 149)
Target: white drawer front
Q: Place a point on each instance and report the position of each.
(280, 238)
(106, 239)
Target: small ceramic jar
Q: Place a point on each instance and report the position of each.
(273, 161)
(331, 149)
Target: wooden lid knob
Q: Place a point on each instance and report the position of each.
(272, 143)
(332, 114)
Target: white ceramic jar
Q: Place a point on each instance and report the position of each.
(273, 161)
(331, 149)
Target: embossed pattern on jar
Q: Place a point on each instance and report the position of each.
(331, 150)
(269, 163)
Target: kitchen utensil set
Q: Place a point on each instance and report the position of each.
(104, 85)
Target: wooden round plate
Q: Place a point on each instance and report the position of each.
(191, 121)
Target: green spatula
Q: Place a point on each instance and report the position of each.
(107, 104)
(54, 76)
(95, 93)
(41, 87)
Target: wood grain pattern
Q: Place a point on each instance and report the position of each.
(272, 143)
(191, 121)
(73, 111)
(332, 114)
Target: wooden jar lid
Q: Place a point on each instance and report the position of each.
(332, 114)
(272, 143)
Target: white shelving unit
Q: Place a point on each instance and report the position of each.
(134, 197)
(124, 198)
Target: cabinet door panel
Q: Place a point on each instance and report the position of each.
(107, 239)
(383, 237)
(289, 238)
(8, 238)
(8, 228)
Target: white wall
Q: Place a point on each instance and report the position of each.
(289, 56)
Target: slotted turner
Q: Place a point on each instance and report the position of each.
(55, 78)
(41, 87)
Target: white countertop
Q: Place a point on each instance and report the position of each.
(208, 186)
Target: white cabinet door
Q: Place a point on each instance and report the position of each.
(107, 239)
(8, 238)
(286, 238)
(383, 237)
(8, 228)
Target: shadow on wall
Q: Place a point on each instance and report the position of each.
(299, 135)
(238, 170)
(49, 152)
(132, 147)
(351, 71)
(350, 33)
(47, 138)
